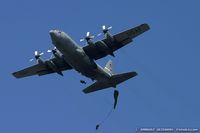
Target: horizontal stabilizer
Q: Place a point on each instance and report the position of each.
(111, 82)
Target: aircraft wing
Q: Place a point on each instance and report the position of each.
(42, 69)
(121, 39)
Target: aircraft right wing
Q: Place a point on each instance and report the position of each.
(42, 69)
(98, 50)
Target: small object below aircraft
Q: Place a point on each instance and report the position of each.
(67, 55)
(82, 82)
(97, 126)
(116, 94)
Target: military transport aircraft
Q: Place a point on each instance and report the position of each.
(67, 55)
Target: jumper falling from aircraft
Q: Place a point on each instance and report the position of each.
(67, 55)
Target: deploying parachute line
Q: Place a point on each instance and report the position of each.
(115, 94)
(107, 116)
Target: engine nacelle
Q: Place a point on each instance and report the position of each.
(89, 42)
(39, 60)
(58, 56)
(105, 48)
(54, 67)
(109, 36)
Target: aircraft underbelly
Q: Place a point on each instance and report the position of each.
(80, 64)
(78, 60)
(76, 57)
(87, 67)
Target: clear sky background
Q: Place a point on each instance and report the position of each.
(167, 59)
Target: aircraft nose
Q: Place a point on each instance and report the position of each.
(55, 33)
(52, 32)
(54, 36)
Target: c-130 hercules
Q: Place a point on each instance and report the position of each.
(69, 55)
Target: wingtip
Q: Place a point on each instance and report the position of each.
(132, 74)
(146, 26)
(135, 73)
(85, 92)
(15, 75)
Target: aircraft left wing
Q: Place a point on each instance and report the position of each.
(99, 50)
(42, 69)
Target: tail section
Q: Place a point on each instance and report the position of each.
(119, 78)
(112, 82)
(109, 67)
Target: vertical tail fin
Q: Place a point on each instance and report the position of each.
(109, 67)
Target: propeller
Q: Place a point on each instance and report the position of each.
(37, 55)
(87, 38)
(54, 50)
(105, 30)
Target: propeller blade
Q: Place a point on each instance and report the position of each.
(87, 34)
(99, 34)
(81, 40)
(109, 27)
(103, 27)
(87, 38)
(36, 52)
(37, 55)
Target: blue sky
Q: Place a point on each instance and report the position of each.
(164, 94)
